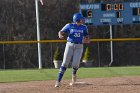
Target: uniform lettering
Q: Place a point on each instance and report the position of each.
(77, 31)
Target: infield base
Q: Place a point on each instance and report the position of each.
(77, 83)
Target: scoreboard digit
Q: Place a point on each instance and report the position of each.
(111, 13)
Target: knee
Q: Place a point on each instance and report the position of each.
(64, 65)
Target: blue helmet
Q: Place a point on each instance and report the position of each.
(77, 17)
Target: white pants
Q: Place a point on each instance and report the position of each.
(73, 52)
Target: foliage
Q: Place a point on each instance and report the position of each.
(87, 54)
(57, 54)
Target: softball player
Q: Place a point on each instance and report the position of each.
(77, 35)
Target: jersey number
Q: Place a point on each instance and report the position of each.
(77, 35)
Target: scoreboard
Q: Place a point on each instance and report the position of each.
(111, 13)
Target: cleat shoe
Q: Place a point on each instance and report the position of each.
(57, 84)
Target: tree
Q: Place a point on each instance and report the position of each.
(57, 54)
(87, 54)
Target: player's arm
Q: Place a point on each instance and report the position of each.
(63, 31)
(86, 38)
(61, 34)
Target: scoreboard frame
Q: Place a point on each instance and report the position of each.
(111, 13)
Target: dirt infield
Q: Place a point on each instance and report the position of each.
(91, 85)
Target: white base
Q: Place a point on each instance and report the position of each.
(77, 83)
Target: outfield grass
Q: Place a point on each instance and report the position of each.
(51, 74)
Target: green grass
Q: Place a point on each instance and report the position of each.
(51, 74)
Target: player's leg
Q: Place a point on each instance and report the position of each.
(60, 75)
(69, 49)
(76, 61)
(66, 60)
(74, 77)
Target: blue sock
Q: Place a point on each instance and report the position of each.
(61, 73)
(74, 71)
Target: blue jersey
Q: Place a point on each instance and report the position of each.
(75, 32)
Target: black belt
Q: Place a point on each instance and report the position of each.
(76, 42)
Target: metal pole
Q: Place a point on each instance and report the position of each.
(99, 55)
(111, 46)
(51, 56)
(38, 35)
(4, 56)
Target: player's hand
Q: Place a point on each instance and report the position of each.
(86, 39)
(61, 35)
